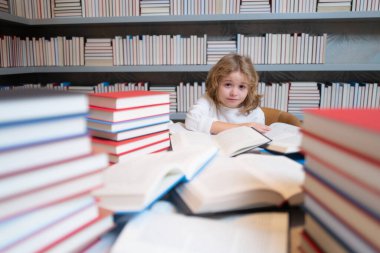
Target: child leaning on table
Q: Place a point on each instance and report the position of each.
(231, 98)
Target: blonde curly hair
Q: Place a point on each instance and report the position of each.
(225, 66)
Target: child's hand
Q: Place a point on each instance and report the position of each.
(259, 127)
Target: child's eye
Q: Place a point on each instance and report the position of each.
(242, 87)
(227, 84)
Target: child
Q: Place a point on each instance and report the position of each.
(231, 98)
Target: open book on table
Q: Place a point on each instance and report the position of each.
(285, 138)
(243, 182)
(230, 142)
(154, 231)
(133, 185)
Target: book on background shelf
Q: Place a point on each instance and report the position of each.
(231, 142)
(119, 115)
(119, 147)
(83, 237)
(128, 134)
(285, 138)
(128, 99)
(357, 130)
(31, 104)
(16, 230)
(37, 178)
(136, 183)
(112, 127)
(244, 182)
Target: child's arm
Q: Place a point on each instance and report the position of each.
(219, 126)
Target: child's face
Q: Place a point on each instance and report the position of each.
(233, 89)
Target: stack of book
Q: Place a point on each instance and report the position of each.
(129, 123)
(334, 5)
(216, 49)
(149, 8)
(67, 8)
(342, 191)
(98, 52)
(303, 95)
(4, 6)
(260, 6)
(47, 173)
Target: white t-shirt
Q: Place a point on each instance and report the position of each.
(203, 113)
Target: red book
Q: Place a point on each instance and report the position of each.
(118, 115)
(353, 129)
(119, 147)
(128, 99)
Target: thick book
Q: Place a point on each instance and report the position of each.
(121, 126)
(286, 138)
(31, 104)
(133, 185)
(14, 231)
(119, 147)
(29, 157)
(132, 133)
(357, 130)
(230, 142)
(37, 178)
(155, 231)
(244, 182)
(119, 115)
(128, 99)
(344, 208)
(80, 239)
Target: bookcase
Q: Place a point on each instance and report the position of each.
(352, 51)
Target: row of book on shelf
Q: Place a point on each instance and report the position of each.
(132, 50)
(96, 8)
(293, 97)
(202, 174)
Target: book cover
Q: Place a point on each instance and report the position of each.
(128, 99)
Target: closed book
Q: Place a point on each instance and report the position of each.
(118, 115)
(132, 133)
(50, 195)
(37, 178)
(244, 182)
(16, 230)
(119, 147)
(30, 104)
(30, 157)
(38, 131)
(126, 125)
(136, 183)
(79, 239)
(128, 99)
(357, 130)
(156, 147)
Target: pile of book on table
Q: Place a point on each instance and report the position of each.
(129, 123)
(342, 190)
(47, 173)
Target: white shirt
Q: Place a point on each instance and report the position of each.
(204, 113)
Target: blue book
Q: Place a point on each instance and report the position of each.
(134, 185)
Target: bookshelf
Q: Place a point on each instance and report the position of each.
(352, 52)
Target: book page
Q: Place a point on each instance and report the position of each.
(280, 172)
(177, 233)
(285, 135)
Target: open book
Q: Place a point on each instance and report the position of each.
(286, 138)
(133, 185)
(243, 182)
(230, 142)
(172, 232)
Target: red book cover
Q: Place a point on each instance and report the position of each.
(128, 99)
